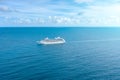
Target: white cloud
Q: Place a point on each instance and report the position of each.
(83, 1)
(4, 8)
(63, 13)
(103, 15)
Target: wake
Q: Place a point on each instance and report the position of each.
(95, 40)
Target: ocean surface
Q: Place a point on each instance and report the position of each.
(88, 54)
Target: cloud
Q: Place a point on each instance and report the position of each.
(102, 15)
(4, 8)
(103, 11)
(61, 12)
(83, 1)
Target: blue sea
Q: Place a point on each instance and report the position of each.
(88, 54)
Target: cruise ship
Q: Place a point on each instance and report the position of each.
(56, 40)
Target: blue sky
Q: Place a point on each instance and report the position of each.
(59, 12)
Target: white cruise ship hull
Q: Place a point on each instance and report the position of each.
(42, 42)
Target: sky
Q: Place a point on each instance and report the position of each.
(60, 13)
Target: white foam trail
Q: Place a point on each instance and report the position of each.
(97, 40)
